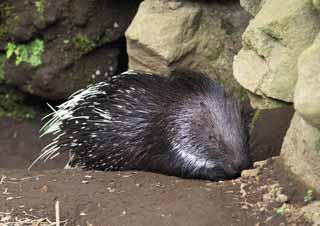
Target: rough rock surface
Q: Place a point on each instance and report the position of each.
(312, 212)
(272, 43)
(197, 35)
(301, 151)
(307, 92)
(81, 42)
(252, 6)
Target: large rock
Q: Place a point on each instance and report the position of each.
(252, 6)
(301, 151)
(196, 35)
(307, 92)
(81, 42)
(272, 43)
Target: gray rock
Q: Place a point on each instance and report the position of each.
(272, 44)
(252, 6)
(301, 151)
(250, 173)
(316, 4)
(307, 92)
(203, 36)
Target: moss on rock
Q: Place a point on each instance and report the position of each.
(83, 43)
(12, 105)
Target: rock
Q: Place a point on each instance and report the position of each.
(272, 43)
(77, 43)
(307, 92)
(281, 198)
(252, 6)
(316, 4)
(260, 164)
(195, 35)
(267, 198)
(263, 102)
(57, 80)
(301, 152)
(250, 173)
(266, 138)
(312, 212)
(274, 194)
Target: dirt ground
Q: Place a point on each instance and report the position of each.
(91, 198)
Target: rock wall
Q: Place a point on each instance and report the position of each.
(280, 62)
(79, 42)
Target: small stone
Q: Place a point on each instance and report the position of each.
(174, 5)
(282, 198)
(244, 207)
(44, 188)
(266, 197)
(250, 173)
(111, 190)
(259, 204)
(242, 191)
(262, 209)
(260, 164)
(115, 25)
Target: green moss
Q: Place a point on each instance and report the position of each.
(6, 10)
(242, 94)
(11, 105)
(39, 4)
(8, 19)
(29, 88)
(30, 53)
(308, 196)
(83, 43)
(2, 61)
(103, 39)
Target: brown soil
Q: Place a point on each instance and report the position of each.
(131, 198)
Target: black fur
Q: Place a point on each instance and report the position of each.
(184, 125)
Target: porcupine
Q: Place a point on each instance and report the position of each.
(183, 125)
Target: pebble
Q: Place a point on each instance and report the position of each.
(282, 198)
(250, 173)
(115, 25)
(174, 5)
(260, 164)
(266, 197)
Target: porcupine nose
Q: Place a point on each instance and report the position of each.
(234, 170)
